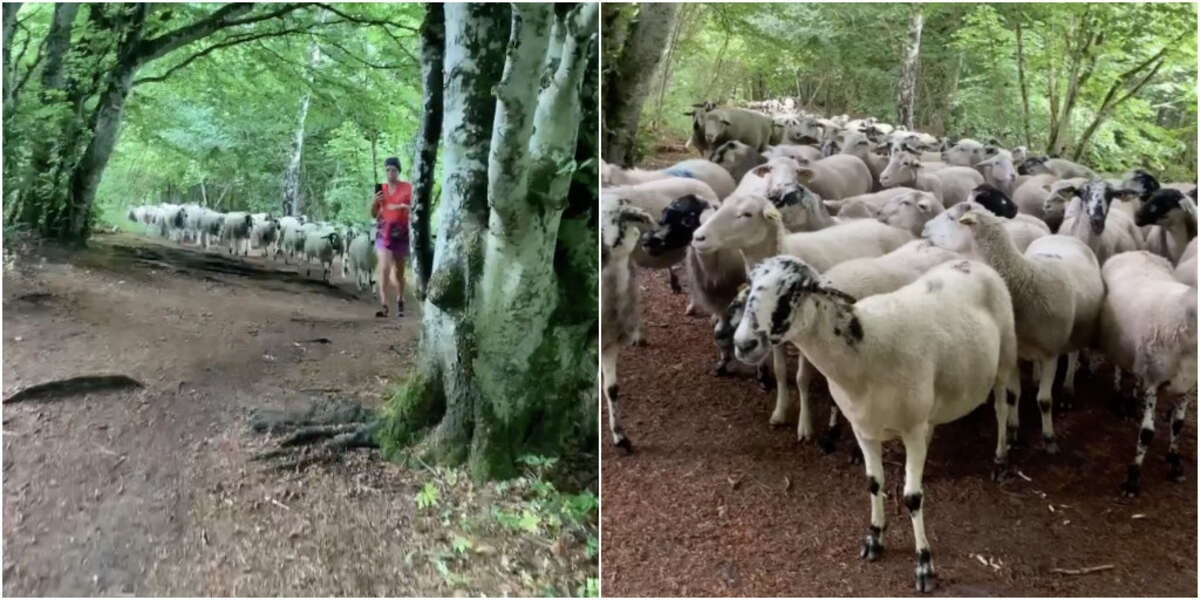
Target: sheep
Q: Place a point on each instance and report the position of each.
(754, 226)
(737, 158)
(998, 171)
(289, 228)
(857, 144)
(965, 153)
(896, 366)
(264, 232)
(1056, 291)
(1030, 196)
(725, 124)
(854, 208)
(710, 173)
(321, 244)
(863, 277)
(835, 177)
(950, 185)
(803, 130)
(1172, 219)
(1185, 271)
(1056, 198)
(994, 199)
(946, 232)
(362, 259)
(1059, 167)
(620, 226)
(1088, 218)
(653, 197)
(1148, 327)
(1019, 154)
(697, 139)
(235, 231)
(714, 277)
(872, 202)
(910, 211)
(796, 152)
(293, 240)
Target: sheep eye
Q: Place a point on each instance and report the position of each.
(744, 215)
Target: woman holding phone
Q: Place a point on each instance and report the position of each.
(391, 207)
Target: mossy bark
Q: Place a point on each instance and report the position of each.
(508, 351)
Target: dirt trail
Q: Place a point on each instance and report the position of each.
(715, 502)
(149, 492)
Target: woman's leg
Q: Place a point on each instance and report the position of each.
(400, 264)
(384, 276)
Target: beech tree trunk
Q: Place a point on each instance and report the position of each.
(909, 70)
(626, 87)
(291, 175)
(507, 361)
(433, 44)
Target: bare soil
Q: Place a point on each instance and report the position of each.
(714, 502)
(152, 491)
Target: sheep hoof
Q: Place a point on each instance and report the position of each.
(1000, 470)
(1050, 445)
(690, 310)
(623, 443)
(872, 549)
(1174, 467)
(765, 381)
(856, 457)
(640, 342)
(1133, 485)
(779, 420)
(927, 580)
(828, 442)
(719, 370)
(803, 433)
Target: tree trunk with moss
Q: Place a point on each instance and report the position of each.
(507, 361)
(433, 47)
(627, 84)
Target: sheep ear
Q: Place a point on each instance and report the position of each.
(771, 213)
(638, 217)
(968, 218)
(1188, 206)
(762, 171)
(804, 174)
(832, 205)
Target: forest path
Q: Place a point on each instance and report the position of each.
(150, 491)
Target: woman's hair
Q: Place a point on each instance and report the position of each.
(392, 161)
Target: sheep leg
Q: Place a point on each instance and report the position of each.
(916, 444)
(804, 428)
(872, 450)
(674, 281)
(1000, 400)
(1132, 485)
(828, 442)
(1066, 399)
(608, 366)
(1046, 403)
(1174, 461)
(783, 400)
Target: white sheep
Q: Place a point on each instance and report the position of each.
(709, 172)
(1169, 219)
(362, 259)
(898, 364)
(910, 211)
(1148, 328)
(653, 197)
(620, 226)
(946, 232)
(321, 244)
(1088, 218)
(754, 226)
(951, 184)
(235, 232)
(1056, 292)
(1185, 271)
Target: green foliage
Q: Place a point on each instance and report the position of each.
(846, 58)
(428, 496)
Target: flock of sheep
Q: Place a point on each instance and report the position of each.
(913, 273)
(293, 238)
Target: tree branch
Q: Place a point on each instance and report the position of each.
(149, 50)
(327, 41)
(366, 21)
(225, 44)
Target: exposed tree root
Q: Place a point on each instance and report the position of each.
(319, 433)
(75, 385)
